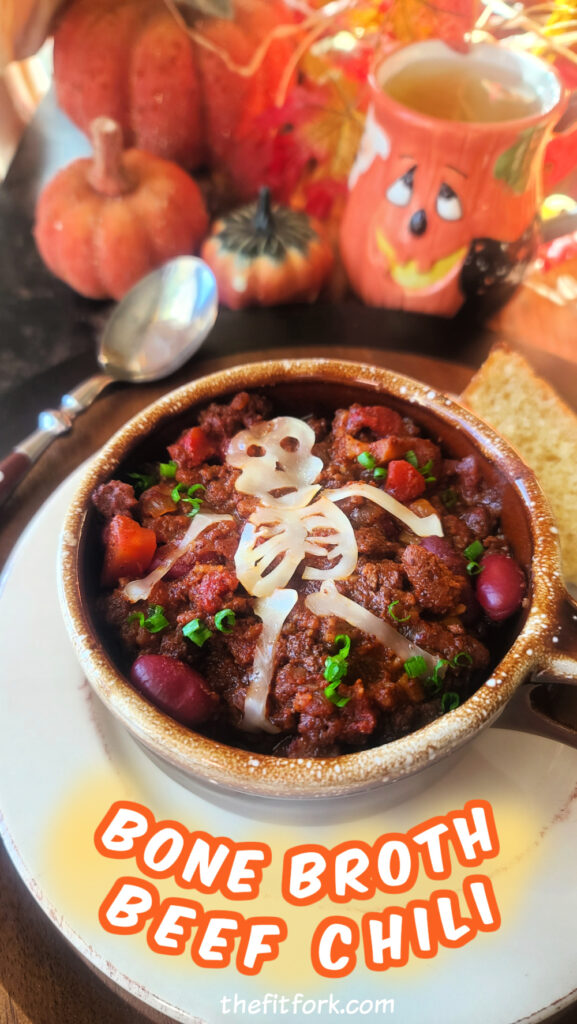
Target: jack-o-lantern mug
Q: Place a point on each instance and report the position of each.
(445, 190)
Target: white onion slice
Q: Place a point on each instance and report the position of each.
(139, 590)
(426, 526)
(273, 611)
(328, 601)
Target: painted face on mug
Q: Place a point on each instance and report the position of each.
(440, 211)
(420, 233)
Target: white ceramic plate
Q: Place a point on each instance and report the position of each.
(64, 762)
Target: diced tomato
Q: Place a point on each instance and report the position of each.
(378, 418)
(129, 550)
(404, 482)
(192, 448)
(215, 589)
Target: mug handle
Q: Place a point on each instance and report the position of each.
(546, 704)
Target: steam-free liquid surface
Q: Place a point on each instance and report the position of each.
(479, 92)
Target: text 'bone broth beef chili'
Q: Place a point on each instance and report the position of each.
(305, 587)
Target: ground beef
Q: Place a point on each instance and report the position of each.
(417, 585)
(434, 585)
(114, 498)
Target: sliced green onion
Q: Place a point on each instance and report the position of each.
(196, 631)
(142, 481)
(473, 568)
(434, 682)
(195, 504)
(449, 497)
(474, 550)
(168, 469)
(331, 694)
(155, 622)
(450, 701)
(137, 617)
(335, 669)
(175, 493)
(393, 614)
(343, 643)
(194, 488)
(225, 620)
(425, 470)
(416, 666)
(366, 460)
(380, 473)
(461, 659)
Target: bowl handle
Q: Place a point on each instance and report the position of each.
(546, 704)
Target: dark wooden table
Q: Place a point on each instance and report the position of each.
(47, 345)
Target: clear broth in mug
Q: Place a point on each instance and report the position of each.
(479, 92)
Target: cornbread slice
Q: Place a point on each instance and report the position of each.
(526, 411)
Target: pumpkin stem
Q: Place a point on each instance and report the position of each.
(263, 221)
(107, 174)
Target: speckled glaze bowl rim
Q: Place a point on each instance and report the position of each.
(191, 756)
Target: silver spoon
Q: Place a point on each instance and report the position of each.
(154, 329)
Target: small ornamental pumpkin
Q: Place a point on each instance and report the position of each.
(103, 223)
(265, 255)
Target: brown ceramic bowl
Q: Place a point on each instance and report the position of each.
(542, 644)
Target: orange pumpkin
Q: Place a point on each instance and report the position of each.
(103, 223)
(263, 255)
(131, 60)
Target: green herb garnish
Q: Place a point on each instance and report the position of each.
(336, 667)
(330, 692)
(416, 666)
(380, 473)
(142, 481)
(461, 659)
(225, 620)
(425, 471)
(449, 497)
(196, 631)
(472, 552)
(168, 469)
(393, 614)
(335, 670)
(154, 622)
(434, 682)
(195, 503)
(343, 643)
(450, 701)
(366, 460)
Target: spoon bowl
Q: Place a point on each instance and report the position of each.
(161, 322)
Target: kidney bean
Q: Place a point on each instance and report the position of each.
(174, 687)
(500, 586)
(443, 549)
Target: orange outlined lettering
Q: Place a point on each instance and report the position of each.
(333, 947)
(129, 904)
(474, 828)
(259, 942)
(171, 927)
(213, 944)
